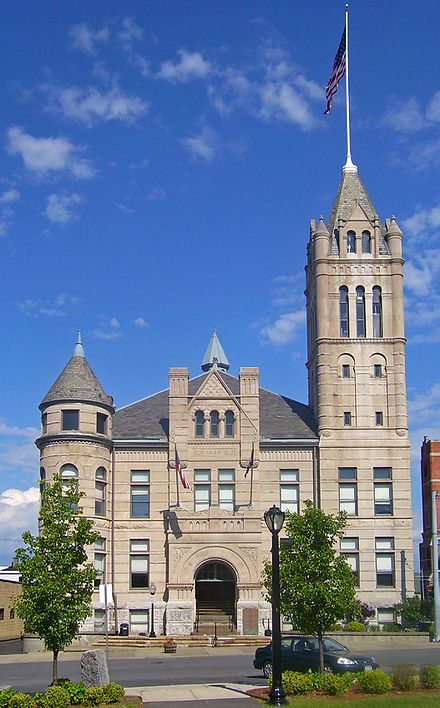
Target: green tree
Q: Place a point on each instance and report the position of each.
(316, 583)
(57, 581)
(414, 610)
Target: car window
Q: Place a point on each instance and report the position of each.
(333, 645)
(286, 642)
(306, 644)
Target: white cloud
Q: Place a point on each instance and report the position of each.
(202, 146)
(282, 102)
(108, 331)
(57, 307)
(284, 329)
(46, 155)
(425, 407)
(422, 223)
(140, 322)
(60, 207)
(91, 104)
(433, 108)
(130, 31)
(87, 40)
(191, 65)
(418, 278)
(18, 513)
(17, 448)
(156, 194)
(405, 116)
(10, 195)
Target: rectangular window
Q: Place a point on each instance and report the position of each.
(350, 551)
(12, 614)
(99, 561)
(101, 423)
(379, 418)
(385, 615)
(139, 563)
(381, 473)
(202, 489)
(44, 424)
(348, 490)
(140, 494)
(377, 371)
(70, 420)
(100, 509)
(139, 621)
(345, 371)
(347, 418)
(2, 613)
(226, 489)
(385, 575)
(383, 498)
(289, 491)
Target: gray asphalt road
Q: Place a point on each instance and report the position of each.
(192, 668)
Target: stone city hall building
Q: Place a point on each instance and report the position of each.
(201, 551)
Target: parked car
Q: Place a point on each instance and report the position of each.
(302, 654)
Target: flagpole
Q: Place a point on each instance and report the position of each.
(349, 166)
(177, 476)
(252, 476)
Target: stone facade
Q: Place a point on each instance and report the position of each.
(430, 469)
(198, 553)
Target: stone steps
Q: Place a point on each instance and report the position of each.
(193, 640)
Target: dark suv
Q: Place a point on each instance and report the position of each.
(302, 654)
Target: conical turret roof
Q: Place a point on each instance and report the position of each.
(215, 355)
(350, 192)
(77, 382)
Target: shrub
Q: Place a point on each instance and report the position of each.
(5, 696)
(334, 684)
(298, 684)
(375, 681)
(94, 696)
(38, 699)
(57, 697)
(430, 676)
(336, 627)
(20, 700)
(76, 691)
(374, 628)
(391, 627)
(113, 692)
(354, 626)
(405, 677)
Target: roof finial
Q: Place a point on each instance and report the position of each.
(215, 358)
(79, 349)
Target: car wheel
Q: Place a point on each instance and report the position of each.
(267, 669)
(328, 669)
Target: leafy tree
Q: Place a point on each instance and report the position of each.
(361, 611)
(316, 583)
(414, 610)
(57, 582)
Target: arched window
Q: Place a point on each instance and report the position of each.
(377, 311)
(351, 242)
(69, 474)
(229, 424)
(42, 479)
(200, 424)
(214, 418)
(366, 242)
(343, 312)
(100, 488)
(360, 311)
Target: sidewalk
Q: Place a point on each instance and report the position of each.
(231, 694)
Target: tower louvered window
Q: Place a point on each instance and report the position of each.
(343, 312)
(360, 311)
(377, 311)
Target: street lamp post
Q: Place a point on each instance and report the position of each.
(152, 589)
(274, 519)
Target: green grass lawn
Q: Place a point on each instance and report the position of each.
(408, 700)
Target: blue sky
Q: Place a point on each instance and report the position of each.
(160, 165)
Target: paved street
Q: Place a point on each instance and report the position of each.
(150, 667)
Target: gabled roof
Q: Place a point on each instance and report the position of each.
(280, 418)
(350, 192)
(77, 382)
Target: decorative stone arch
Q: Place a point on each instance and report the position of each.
(238, 562)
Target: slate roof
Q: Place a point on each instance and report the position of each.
(350, 192)
(280, 417)
(78, 383)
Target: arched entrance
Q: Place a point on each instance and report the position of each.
(215, 597)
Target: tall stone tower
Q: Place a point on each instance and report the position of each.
(356, 367)
(76, 436)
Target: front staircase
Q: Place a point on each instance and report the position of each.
(215, 617)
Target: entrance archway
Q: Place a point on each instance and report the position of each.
(215, 595)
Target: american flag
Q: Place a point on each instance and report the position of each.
(185, 482)
(251, 461)
(338, 72)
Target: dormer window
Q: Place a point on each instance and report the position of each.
(70, 420)
(351, 242)
(199, 424)
(214, 424)
(229, 424)
(366, 242)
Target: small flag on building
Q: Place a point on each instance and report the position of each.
(185, 482)
(338, 72)
(251, 462)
